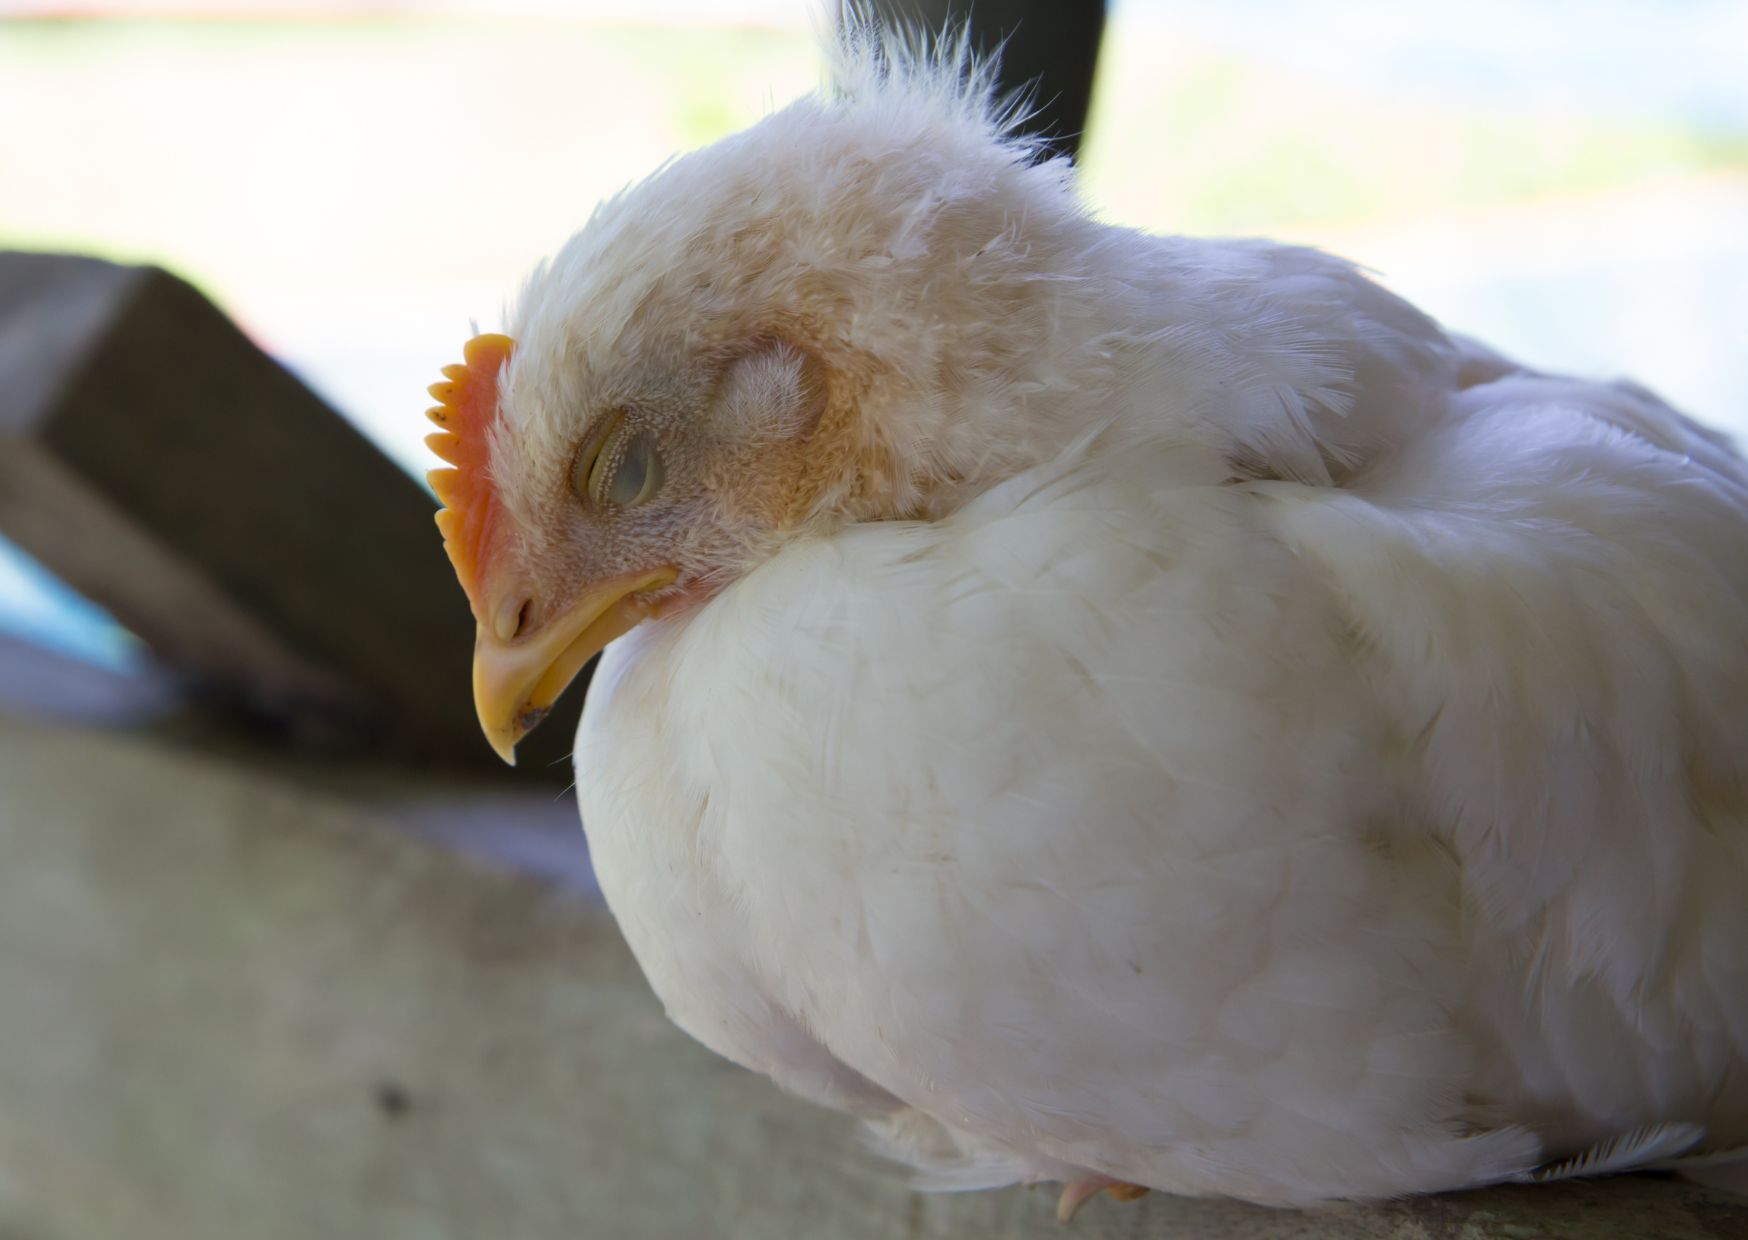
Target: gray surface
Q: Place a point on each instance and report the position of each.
(237, 1005)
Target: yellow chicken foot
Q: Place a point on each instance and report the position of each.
(1076, 1193)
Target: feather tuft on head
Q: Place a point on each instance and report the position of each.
(872, 61)
(467, 407)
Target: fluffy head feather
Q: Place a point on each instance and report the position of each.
(839, 313)
(873, 304)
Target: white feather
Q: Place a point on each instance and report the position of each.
(1308, 759)
(1657, 1145)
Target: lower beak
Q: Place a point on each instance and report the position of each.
(516, 682)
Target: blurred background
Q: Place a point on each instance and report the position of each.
(230, 1005)
(357, 182)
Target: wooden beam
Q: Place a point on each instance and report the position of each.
(161, 464)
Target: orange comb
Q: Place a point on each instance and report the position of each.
(467, 405)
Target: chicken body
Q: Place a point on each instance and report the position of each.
(1243, 740)
(1224, 835)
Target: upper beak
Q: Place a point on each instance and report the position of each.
(516, 680)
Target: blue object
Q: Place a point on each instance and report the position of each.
(37, 606)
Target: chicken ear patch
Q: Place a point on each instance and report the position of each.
(467, 405)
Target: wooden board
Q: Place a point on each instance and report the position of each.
(158, 462)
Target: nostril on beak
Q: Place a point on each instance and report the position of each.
(512, 618)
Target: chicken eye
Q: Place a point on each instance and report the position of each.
(625, 471)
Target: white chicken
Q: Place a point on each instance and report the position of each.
(1127, 710)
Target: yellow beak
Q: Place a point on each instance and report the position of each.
(516, 681)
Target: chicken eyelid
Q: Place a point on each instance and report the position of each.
(594, 452)
(597, 472)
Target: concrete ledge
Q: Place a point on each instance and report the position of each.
(236, 1006)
